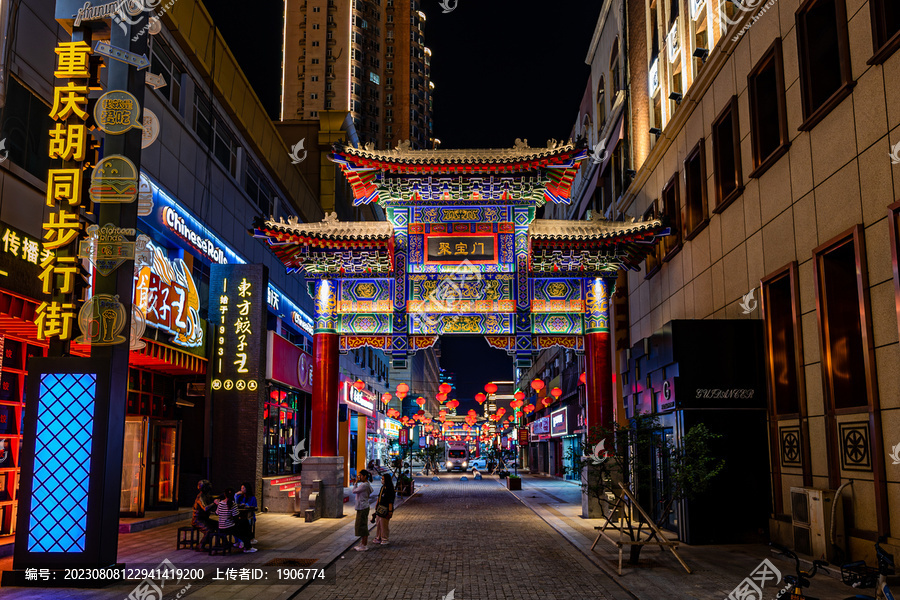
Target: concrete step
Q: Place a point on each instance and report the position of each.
(153, 519)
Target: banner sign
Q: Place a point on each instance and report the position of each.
(404, 437)
(559, 423)
(166, 293)
(523, 436)
(540, 426)
(457, 248)
(237, 314)
(362, 401)
(288, 364)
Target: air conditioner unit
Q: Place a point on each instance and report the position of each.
(811, 511)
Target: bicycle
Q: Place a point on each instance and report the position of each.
(796, 584)
(860, 575)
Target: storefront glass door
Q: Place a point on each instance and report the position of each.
(132, 499)
(162, 479)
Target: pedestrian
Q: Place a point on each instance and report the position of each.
(246, 500)
(362, 489)
(203, 505)
(227, 509)
(384, 510)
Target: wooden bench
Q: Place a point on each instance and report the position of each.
(221, 543)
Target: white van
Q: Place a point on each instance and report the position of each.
(457, 457)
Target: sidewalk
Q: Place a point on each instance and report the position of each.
(717, 570)
(284, 541)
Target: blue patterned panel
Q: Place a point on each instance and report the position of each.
(557, 324)
(62, 463)
(365, 324)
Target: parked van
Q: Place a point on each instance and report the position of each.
(457, 457)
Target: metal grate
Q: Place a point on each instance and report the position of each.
(62, 461)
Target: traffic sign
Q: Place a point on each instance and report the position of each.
(130, 58)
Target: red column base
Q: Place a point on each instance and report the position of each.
(324, 430)
(601, 407)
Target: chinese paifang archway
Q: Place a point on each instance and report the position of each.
(461, 252)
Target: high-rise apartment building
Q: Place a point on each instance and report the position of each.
(364, 56)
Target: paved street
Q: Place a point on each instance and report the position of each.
(473, 538)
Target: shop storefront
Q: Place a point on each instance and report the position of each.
(567, 443)
(357, 409)
(540, 445)
(288, 407)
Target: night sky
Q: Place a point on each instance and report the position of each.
(502, 69)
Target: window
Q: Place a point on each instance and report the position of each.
(315, 25)
(601, 103)
(214, 134)
(313, 96)
(162, 62)
(314, 78)
(699, 32)
(885, 28)
(316, 9)
(315, 61)
(654, 258)
(259, 190)
(842, 306)
(695, 209)
(824, 54)
(614, 69)
(768, 118)
(727, 156)
(654, 30)
(781, 307)
(26, 126)
(671, 207)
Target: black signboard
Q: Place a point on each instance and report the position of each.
(237, 319)
(459, 248)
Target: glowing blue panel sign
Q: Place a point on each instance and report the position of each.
(62, 462)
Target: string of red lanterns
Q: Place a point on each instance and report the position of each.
(402, 390)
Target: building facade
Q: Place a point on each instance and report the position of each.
(364, 57)
(764, 138)
(212, 169)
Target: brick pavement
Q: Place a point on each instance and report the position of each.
(717, 570)
(474, 538)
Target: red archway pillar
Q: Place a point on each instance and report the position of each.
(601, 407)
(325, 399)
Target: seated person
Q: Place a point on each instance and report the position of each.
(245, 498)
(203, 505)
(228, 512)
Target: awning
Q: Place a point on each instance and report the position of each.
(17, 315)
(167, 359)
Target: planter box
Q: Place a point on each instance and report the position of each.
(514, 483)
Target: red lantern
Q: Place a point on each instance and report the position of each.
(472, 412)
(445, 388)
(547, 401)
(537, 385)
(480, 398)
(556, 392)
(359, 384)
(453, 404)
(520, 395)
(402, 390)
(516, 403)
(420, 413)
(441, 397)
(386, 397)
(491, 388)
(583, 378)
(420, 401)
(501, 411)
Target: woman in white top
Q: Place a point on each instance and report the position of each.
(228, 510)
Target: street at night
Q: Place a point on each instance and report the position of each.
(446, 299)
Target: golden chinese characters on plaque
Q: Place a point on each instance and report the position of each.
(68, 142)
(117, 112)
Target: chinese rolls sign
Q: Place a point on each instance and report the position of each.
(237, 311)
(456, 249)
